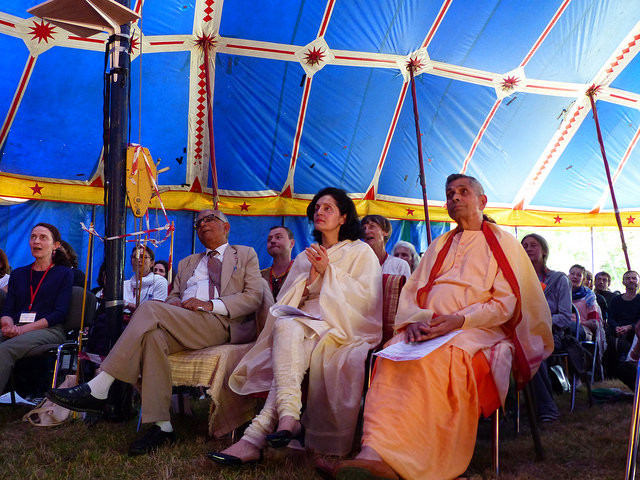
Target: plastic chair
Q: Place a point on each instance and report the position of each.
(69, 347)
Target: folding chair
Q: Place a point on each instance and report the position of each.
(562, 359)
(68, 349)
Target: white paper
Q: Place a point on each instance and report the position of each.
(402, 351)
(6, 399)
(289, 311)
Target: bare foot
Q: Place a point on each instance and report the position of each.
(245, 451)
(290, 424)
(369, 453)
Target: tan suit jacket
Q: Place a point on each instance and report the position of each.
(241, 289)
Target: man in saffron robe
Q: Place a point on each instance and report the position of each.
(421, 416)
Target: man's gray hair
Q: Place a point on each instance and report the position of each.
(217, 213)
(477, 186)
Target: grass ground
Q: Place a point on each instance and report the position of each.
(590, 443)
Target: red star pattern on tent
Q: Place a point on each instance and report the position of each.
(245, 206)
(135, 43)
(410, 211)
(206, 41)
(42, 31)
(414, 64)
(630, 220)
(557, 219)
(314, 57)
(36, 189)
(509, 83)
(593, 90)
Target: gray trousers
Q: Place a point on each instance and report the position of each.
(12, 349)
(156, 330)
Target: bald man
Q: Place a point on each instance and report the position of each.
(213, 300)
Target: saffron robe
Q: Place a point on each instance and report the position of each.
(421, 416)
(348, 299)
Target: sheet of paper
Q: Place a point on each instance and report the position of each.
(401, 351)
(289, 311)
(5, 399)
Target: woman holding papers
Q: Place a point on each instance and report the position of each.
(337, 286)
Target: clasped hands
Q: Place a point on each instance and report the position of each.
(622, 331)
(319, 259)
(440, 325)
(192, 304)
(9, 330)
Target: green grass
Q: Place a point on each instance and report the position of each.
(590, 443)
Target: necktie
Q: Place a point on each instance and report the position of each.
(214, 265)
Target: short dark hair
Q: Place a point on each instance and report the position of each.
(580, 267)
(60, 257)
(164, 263)
(630, 271)
(147, 248)
(5, 268)
(350, 230)
(287, 229)
(71, 253)
(543, 245)
(604, 274)
(382, 222)
(477, 186)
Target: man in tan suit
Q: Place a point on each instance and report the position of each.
(215, 295)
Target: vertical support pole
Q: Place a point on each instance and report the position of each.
(632, 450)
(170, 272)
(193, 235)
(115, 170)
(495, 441)
(593, 258)
(591, 93)
(420, 161)
(206, 42)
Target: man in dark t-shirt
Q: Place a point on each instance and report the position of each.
(624, 312)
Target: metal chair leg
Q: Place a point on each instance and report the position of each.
(517, 412)
(574, 382)
(495, 441)
(533, 422)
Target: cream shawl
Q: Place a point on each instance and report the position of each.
(350, 301)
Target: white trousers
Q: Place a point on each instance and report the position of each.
(293, 343)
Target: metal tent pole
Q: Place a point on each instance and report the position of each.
(593, 90)
(117, 87)
(423, 183)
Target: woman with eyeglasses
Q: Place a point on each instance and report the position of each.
(150, 287)
(336, 284)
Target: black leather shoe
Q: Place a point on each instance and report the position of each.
(282, 438)
(77, 398)
(152, 439)
(231, 460)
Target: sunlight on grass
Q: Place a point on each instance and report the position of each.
(590, 443)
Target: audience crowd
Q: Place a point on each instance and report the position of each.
(504, 309)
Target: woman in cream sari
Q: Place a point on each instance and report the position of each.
(337, 285)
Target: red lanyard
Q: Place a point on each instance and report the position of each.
(33, 294)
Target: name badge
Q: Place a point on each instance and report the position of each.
(27, 317)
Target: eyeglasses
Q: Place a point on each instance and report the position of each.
(209, 218)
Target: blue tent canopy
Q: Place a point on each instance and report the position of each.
(309, 94)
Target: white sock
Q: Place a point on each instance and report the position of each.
(100, 385)
(165, 426)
